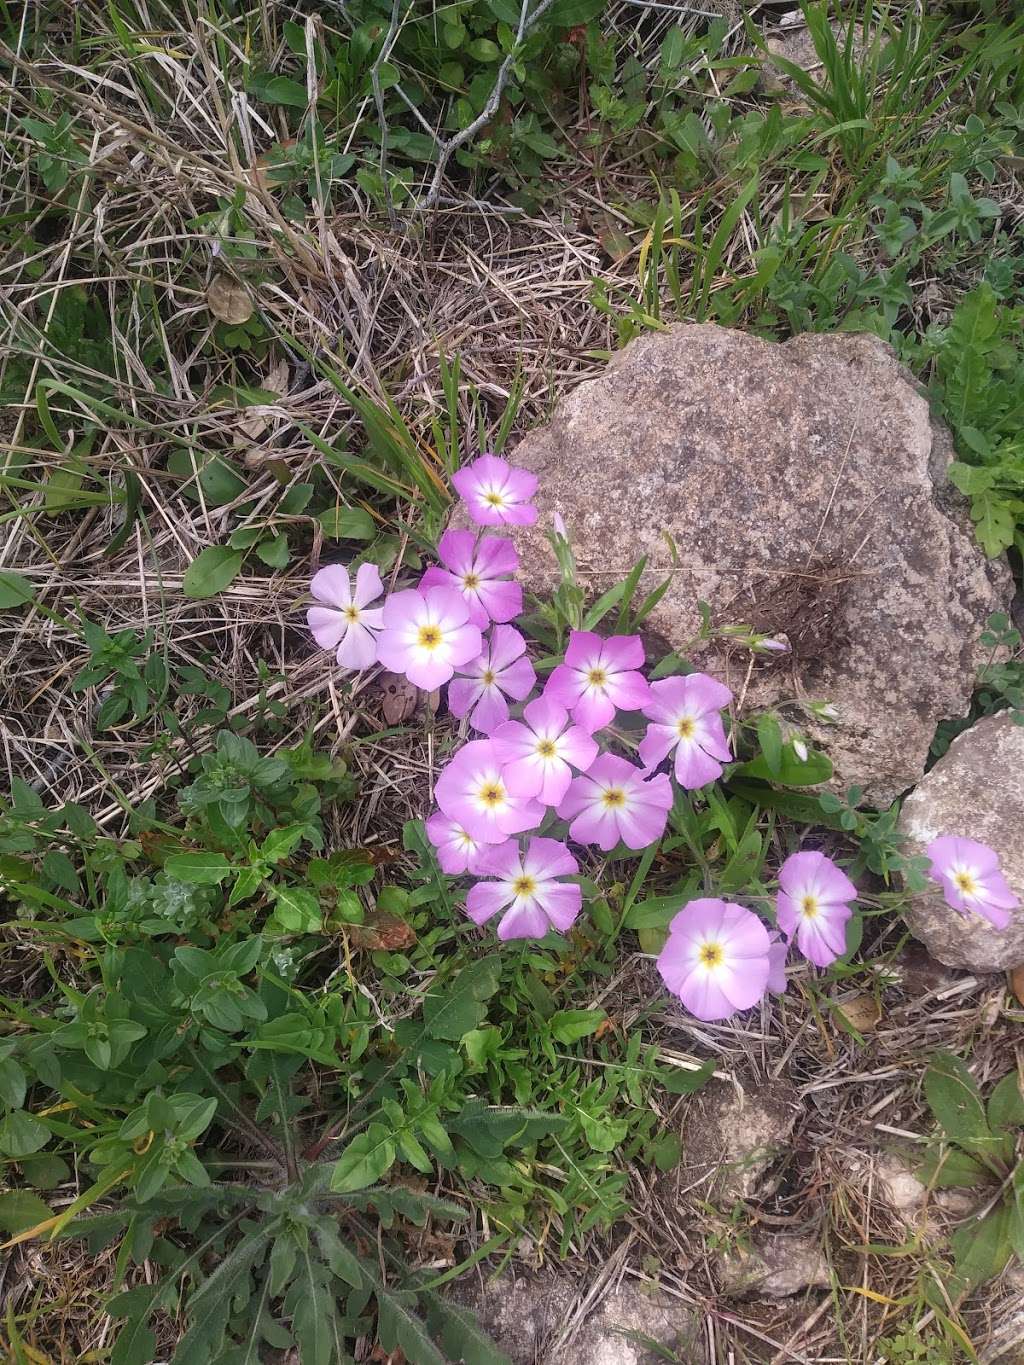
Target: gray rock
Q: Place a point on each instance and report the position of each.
(732, 1140)
(534, 1319)
(795, 45)
(799, 488)
(976, 790)
(775, 1267)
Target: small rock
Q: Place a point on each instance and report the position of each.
(898, 1187)
(796, 46)
(530, 1317)
(799, 489)
(732, 1139)
(975, 790)
(776, 1267)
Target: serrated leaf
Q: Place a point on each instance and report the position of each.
(211, 571)
(454, 1006)
(461, 1334)
(399, 1327)
(367, 1157)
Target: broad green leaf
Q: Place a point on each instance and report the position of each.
(454, 1006)
(488, 1131)
(1006, 1103)
(211, 571)
(274, 552)
(21, 1134)
(199, 869)
(678, 1081)
(948, 1168)
(981, 1250)
(603, 1134)
(366, 1158)
(15, 589)
(20, 1210)
(277, 90)
(347, 523)
(461, 1334)
(135, 1345)
(399, 1327)
(793, 771)
(297, 911)
(568, 1026)
(13, 1083)
(953, 1097)
(769, 736)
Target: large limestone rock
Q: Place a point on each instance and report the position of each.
(802, 489)
(976, 790)
(544, 1319)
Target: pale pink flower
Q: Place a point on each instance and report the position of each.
(613, 802)
(344, 623)
(537, 752)
(815, 900)
(472, 790)
(971, 879)
(480, 570)
(457, 850)
(685, 716)
(716, 959)
(778, 951)
(501, 670)
(599, 676)
(527, 889)
(427, 635)
(497, 493)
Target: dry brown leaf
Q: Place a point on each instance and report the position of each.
(381, 929)
(862, 1012)
(398, 697)
(1017, 983)
(228, 301)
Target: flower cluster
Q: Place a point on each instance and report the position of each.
(551, 759)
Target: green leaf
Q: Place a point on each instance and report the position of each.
(274, 552)
(297, 911)
(769, 736)
(367, 1157)
(981, 1250)
(347, 523)
(1006, 1103)
(953, 1097)
(399, 1327)
(15, 590)
(198, 869)
(211, 571)
(461, 1334)
(603, 1134)
(13, 1083)
(948, 1168)
(21, 1134)
(793, 771)
(569, 1026)
(277, 90)
(21, 1209)
(135, 1345)
(678, 1081)
(453, 1007)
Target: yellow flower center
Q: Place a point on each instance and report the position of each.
(471, 581)
(711, 955)
(597, 677)
(965, 883)
(546, 749)
(809, 907)
(488, 677)
(492, 794)
(430, 637)
(524, 886)
(494, 499)
(613, 798)
(685, 727)
(466, 839)
(351, 613)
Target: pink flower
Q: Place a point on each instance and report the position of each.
(598, 676)
(537, 752)
(501, 670)
(344, 623)
(612, 803)
(457, 850)
(472, 790)
(717, 958)
(479, 570)
(970, 877)
(684, 715)
(527, 884)
(778, 951)
(814, 902)
(427, 635)
(496, 493)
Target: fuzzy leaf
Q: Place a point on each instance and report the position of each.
(399, 1327)
(981, 1250)
(953, 1097)
(452, 1008)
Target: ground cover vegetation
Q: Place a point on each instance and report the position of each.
(272, 278)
